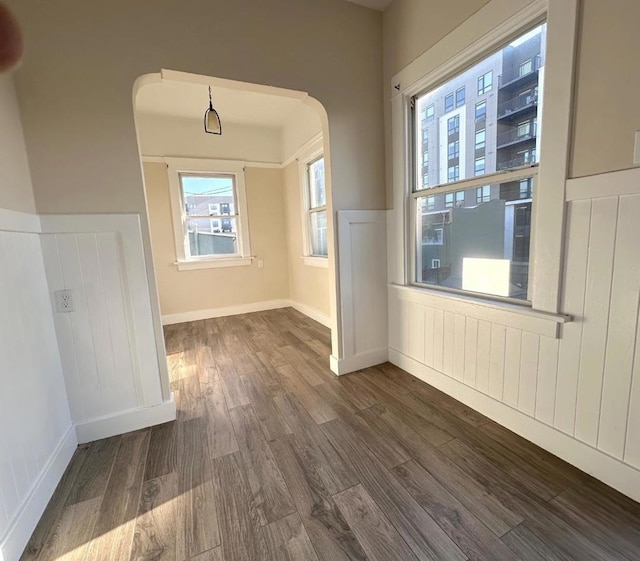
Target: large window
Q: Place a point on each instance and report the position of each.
(483, 248)
(209, 213)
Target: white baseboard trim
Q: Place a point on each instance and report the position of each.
(340, 366)
(12, 544)
(196, 315)
(607, 469)
(312, 313)
(126, 421)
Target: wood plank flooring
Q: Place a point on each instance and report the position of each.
(273, 458)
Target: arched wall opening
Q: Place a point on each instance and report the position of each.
(270, 131)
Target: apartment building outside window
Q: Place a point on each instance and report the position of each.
(481, 110)
(460, 96)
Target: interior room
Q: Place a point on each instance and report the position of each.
(319, 280)
(270, 140)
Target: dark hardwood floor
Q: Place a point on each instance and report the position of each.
(273, 458)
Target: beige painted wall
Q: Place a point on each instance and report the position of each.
(16, 192)
(203, 289)
(308, 285)
(82, 58)
(606, 112)
(182, 137)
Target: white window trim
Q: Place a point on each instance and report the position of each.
(176, 166)
(435, 66)
(312, 152)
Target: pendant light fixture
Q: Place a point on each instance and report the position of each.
(212, 124)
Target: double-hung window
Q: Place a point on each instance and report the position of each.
(483, 248)
(209, 213)
(311, 165)
(317, 207)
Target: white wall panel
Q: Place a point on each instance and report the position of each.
(602, 241)
(586, 382)
(34, 411)
(547, 380)
(621, 333)
(484, 356)
(575, 282)
(512, 352)
(470, 351)
(363, 292)
(106, 344)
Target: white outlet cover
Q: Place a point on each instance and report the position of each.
(64, 301)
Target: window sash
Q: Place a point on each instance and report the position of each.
(450, 191)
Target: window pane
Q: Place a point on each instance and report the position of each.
(492, 98)
(448, 103)
(212, 236)
(317, 195)
(483, 248)
(208, 195)
(319, 232)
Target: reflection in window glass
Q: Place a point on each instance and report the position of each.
(496, 234)
(319, 233)
(317, 195)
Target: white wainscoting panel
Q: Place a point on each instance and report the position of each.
(363, 294)
(107, 343)
(585, 383)
(37, 438)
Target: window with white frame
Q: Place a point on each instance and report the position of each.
(317, 208)
(209, 213)
(483, 248)
(314, 205)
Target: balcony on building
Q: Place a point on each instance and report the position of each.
(514, 136)
(518, 76)
(517, 106)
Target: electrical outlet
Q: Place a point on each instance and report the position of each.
(64, 301)
(260, 263)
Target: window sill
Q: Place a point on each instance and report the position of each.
(214, 263)
(313, 261)
(503, 313)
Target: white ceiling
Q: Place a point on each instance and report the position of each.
(188, 100)
(374, 4)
